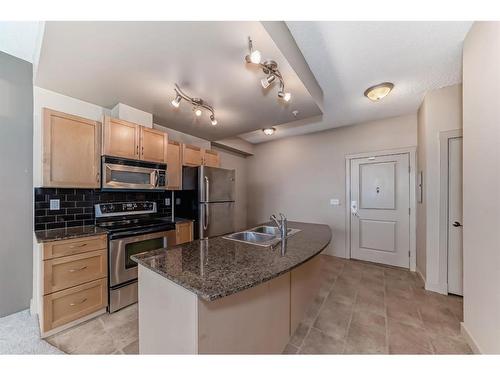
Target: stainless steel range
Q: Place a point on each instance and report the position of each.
(132, 228)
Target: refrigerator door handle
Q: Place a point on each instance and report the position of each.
(207, 187)
(205, 219)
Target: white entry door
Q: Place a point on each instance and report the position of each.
(380, 209)
(455, 250)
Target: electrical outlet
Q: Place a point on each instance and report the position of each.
(54, 204)
(334, 202)
(177, 201)
(167, 201)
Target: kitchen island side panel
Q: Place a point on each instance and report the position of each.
(253, 321)
(168, 316)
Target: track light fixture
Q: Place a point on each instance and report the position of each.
(269, 67)
(197, 103)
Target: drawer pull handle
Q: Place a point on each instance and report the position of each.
(82, 245)
(77, 269)
(78, 303)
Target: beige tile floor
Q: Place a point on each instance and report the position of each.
(366, 308)
(107, 334)
(361, 308)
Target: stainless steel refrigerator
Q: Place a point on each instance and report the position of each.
(212, 204)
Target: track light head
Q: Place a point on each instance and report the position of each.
(286, 96)
(254, 56)
(213, 120)
(266, 82)
(197, 112)
(177, 101)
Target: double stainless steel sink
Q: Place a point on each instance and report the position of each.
(262, 236)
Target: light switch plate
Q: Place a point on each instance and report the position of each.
(177, 201)
(335, 202)
(167, 201)
(54, 204)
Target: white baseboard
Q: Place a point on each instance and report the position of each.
(419, 273)
(467, 336)
(438, 288)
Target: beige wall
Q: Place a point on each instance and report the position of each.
(481, 174)
(299, 175)
(441, 111)
(231, 160)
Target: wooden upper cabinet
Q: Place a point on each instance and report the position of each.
(211, 158)
(154, 145)
(174, 166)
(71, 150)
(121, 138)
(191, 155)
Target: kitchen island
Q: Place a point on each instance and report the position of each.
(223, 296)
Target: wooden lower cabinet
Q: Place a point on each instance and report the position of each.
(71, 304)
(183, 232)
(66, 272)
(73, 285)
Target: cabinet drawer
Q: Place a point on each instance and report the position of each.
(65, 306)
(65, 272)
(58, 249)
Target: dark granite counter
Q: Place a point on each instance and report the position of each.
(218, 267)
(67, 233)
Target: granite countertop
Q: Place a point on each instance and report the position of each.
(217, 267)
(67, 233)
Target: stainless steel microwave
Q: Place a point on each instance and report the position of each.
(126, 174)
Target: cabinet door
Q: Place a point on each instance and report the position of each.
(121, 138)
(174, 166)
(154, 145)
(191, 155)
(184, 232)
(71, 150)
(211, 158)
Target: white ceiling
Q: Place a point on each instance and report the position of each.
(19, 38)
(348, 57)
(138, 63)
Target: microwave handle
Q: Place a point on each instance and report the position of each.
(156, 177)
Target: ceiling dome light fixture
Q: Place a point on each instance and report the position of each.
(377, 92)
(197, 103)
(269, 67)
(269, 131)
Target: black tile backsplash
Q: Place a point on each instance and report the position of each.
(77, 205)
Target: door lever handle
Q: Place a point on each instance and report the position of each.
(456, 224)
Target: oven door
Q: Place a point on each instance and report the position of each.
(117, 176)
(123, 269)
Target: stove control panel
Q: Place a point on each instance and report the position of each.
(124, 208)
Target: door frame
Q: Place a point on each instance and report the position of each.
(412, 156)
(444, 138)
